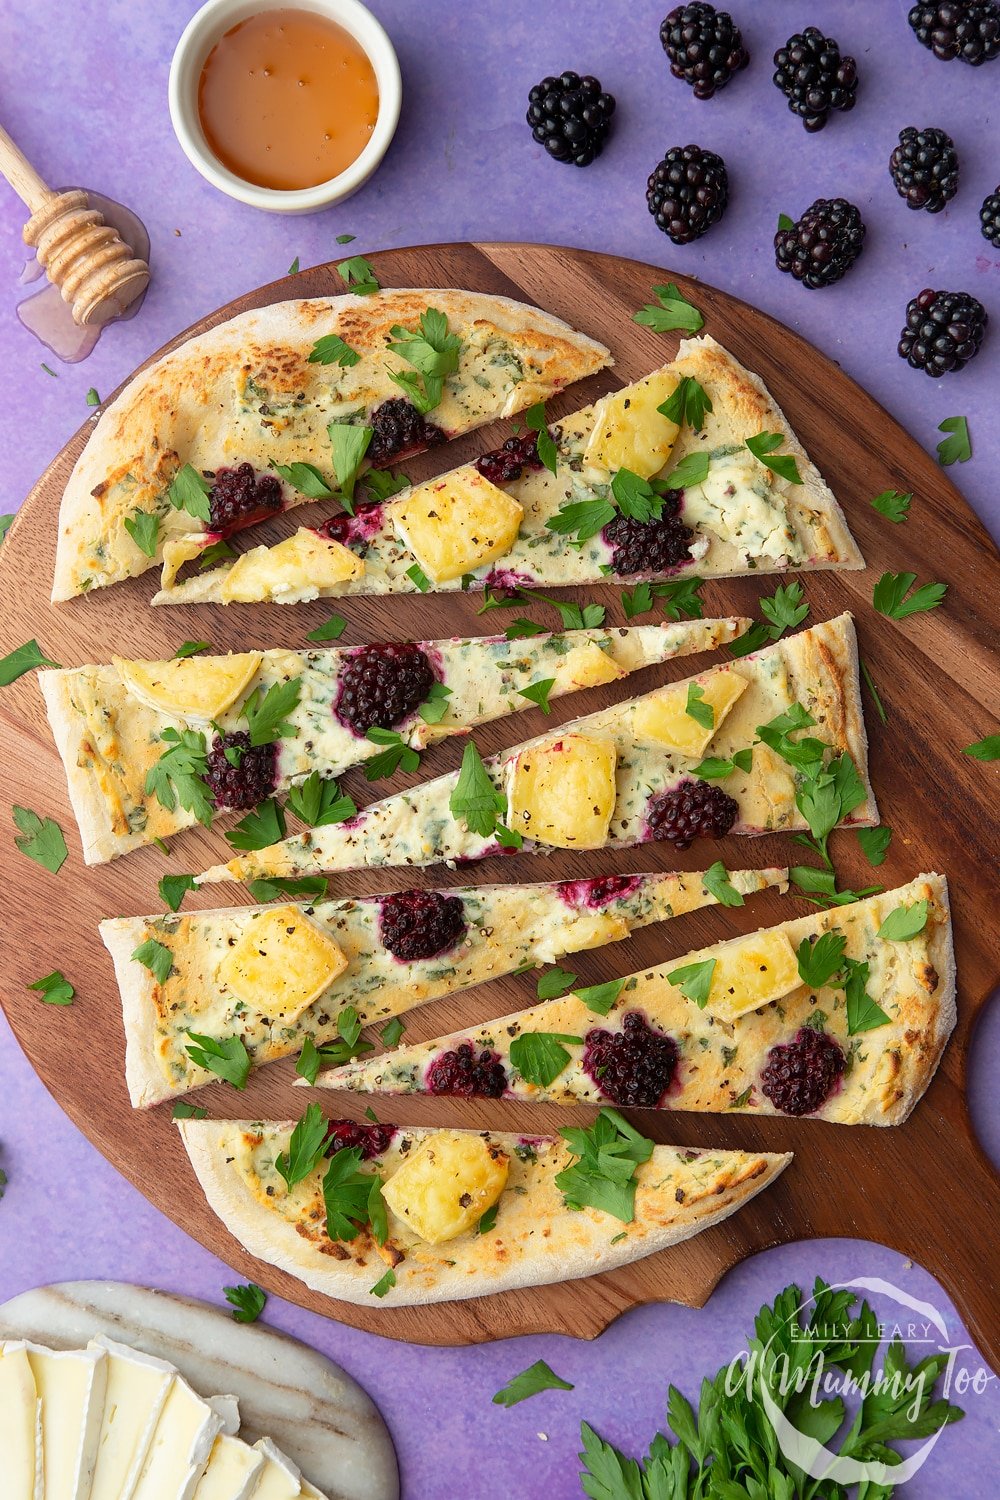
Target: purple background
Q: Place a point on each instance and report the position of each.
(84, 92)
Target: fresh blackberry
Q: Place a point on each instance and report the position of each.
(633, 1067)
(509, 461)
(649, 546)
(342, 1135)
(240, 497)
(704, 46)
(382, 685)
(421, 924)
(969, 29)
(989, 218)
(687, 192)
(467, 1076)
(924, 167)
(943, 331)
(823, 244)
(691, 810)
(244, 777)
(571, 117)
(799, 1075)
(397, 427)
(814, 77)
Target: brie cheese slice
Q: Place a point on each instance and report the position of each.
(279, 1478)
(137, 1389)
(20, 1426)
(181, 1446)
(71, 1386)
(232, 1472)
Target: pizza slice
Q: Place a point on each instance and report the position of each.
(841, 1015)
(728, 750)
(283, 976)
(151, 747)
(411, 1215)
(284, 404)
(720, 486)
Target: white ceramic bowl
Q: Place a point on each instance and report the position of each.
(201, 34)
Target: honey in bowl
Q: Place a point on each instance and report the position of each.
(287, 99)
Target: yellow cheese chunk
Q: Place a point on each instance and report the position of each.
(752, 973)
(179, 551)
(298, 567)
(457, 524)
(446, 1186)
(197, 687)
(588, 666)
(663, 717)
(282, 963)
(563, 792)
(629, 432)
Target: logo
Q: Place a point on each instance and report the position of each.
(809, 1397)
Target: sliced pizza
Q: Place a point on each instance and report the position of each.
(410, 1215)
(650, 768)
(841, 1015)
(151, 747)
(283, 976)
(692, 470)
(283, 404)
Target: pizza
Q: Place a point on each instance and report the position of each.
(275, 976)
(410, 1215)
(197, 441)
(629, 774)
(735, 493)
(841, 1015)
(144, 743)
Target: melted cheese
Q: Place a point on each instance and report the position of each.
(282, 963)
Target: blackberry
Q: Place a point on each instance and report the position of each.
(823, 244)
(691, 810)
(814, 77)
(599, 890)
(240, 497)
(924, 167)
(421, 924)
(943, 331)
(799, 1075)
(354, 530)
(250, 780)
(571, 117)
(704, 46)
(397, 427)
(968, 29)
(382, 685)
(989, 218)
(342, 1135)
(633, 1067)
(687, 192)
(509, 461)
(649, 546)
(467, 1076)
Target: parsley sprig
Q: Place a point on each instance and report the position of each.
(178, 775)
(603, 1177)
(892, 595)
(474, 800)
(671, 310)
(433, 352)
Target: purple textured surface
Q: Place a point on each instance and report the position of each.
(84, 92)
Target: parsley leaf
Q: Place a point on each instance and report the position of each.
(688, 402)
(41, 839)
(691, 471)
(874, 842)
(173, 889)
(392, 1032)
(319, 801)
(247, 1301)
(381, 484)
(384, 1284)
(538, 692)
(488, 1220)
(785, 608)
(534, 420)
(178, 774)
(24, 659)
(435, 705)
(958, 447)
(93, 399)
(346, 1194)
(358, 274)
(182, 1110)
(905, 923)
(863, 1013)
(265, 713)
(600, 997)
(474, 800)
(305, 1147)
(821, 960)
(331, 629)
(55, 988)
(673, 311)
(537, 1377)
(156, 957)
(345, 239)
(870, 684)
(717, 882)
(891, 591)
(350, 1044)
(762, 447)
(293, 269)
(697, 709)
(751, 640)
(893, 504)
(820, 887)
(433, 353)
(554, 982)
(540, 1057)
(263, 826)
(987, 748)
(717, 767)
(522, 629)
(805, 755)
(604, 1176)
(332, 350)
(680, 599)
(398, 753)
(189, 490)
(144, 529)
(305, 478)
(217, 552)
(5, 521)
(312, 887)
(694, 980)
(582, 519)
(348, 446)
(225, 1056)
(636, 497)
(191, 648)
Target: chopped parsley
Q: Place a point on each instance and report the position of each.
(54, 988)
(537, 1377)
(226, 1057)
(958, 447)
(474, 800)
(23, 659)
(893, 504)
(892, 595)
(247, 1301)
(41, 839)
(671, 310)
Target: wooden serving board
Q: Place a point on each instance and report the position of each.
(925, 1188)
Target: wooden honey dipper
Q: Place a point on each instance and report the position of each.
(87, 259)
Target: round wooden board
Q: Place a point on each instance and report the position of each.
(925, 1189)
